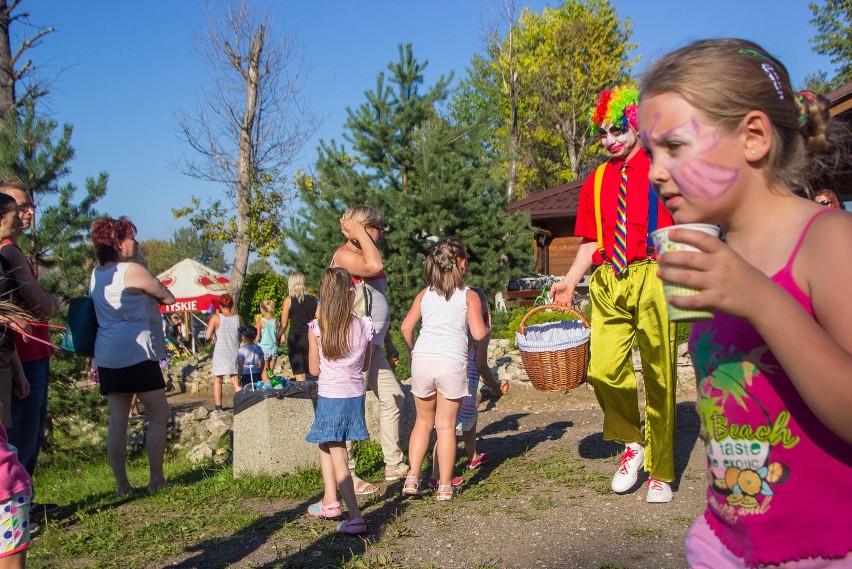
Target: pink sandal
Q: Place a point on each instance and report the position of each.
(353, 527)
(327, 512)
(411, 487)
(444, 493)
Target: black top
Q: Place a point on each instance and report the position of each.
(301, 313)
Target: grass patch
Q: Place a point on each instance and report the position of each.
(645, 533)
(683, 521)
(540, 502)
(559, 468)
(206, 508)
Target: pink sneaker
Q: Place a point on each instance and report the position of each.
(478, 461)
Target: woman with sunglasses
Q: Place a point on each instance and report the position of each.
(363, 228)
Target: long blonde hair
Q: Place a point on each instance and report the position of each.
(444, 267)
(337, 297)
(296, 286)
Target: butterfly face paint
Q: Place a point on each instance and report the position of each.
(691, 152)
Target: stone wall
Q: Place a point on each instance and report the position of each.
(200, 434)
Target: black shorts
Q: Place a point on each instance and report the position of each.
(138, 378)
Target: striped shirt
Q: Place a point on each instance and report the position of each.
(342, 377)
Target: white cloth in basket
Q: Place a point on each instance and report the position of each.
(552, 336)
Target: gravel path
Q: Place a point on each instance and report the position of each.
(541, 501)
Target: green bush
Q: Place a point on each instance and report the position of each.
(257, 287)
(501, 322)
(403, 368)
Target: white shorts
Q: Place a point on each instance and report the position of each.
(269, 353)
(434, 372)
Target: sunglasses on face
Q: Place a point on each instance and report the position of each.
(26, 207)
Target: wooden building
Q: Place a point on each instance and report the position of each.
(841, 108)
(553, 214)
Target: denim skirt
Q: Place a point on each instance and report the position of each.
(338, 420)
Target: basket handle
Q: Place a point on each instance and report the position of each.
(559, 307)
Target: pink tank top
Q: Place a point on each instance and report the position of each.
(780, 480)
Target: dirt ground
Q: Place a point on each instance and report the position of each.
(506, 515)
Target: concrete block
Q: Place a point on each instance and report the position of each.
(269, 437)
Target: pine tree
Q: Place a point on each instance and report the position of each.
(430, 177)
(33, 152)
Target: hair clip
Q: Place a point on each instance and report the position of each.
(351, 289)
(773, 76)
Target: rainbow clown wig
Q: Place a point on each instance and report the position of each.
(617, 107)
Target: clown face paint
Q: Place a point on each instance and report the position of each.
(695, 156)
(620, 143)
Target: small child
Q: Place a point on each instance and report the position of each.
(250, 358)
(267, 332)
(731, 144)
(477, 365)
(16, 493)
(439, 360)
(338, 352)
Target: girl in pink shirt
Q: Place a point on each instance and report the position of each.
(338, 353)
(731, 144)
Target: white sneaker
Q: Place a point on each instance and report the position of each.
(658, 492)
(628, 468)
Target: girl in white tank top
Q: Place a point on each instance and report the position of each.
(448, 310)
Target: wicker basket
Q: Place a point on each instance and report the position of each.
(557, 370)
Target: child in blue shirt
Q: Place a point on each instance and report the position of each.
(250, 358)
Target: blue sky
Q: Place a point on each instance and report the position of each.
(121, 69)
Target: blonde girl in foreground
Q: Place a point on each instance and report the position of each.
(730, 142)
(439, 359)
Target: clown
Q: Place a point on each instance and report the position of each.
(627, 300)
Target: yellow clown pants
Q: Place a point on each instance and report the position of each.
(627, 308)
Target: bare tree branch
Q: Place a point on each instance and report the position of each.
(27, 44)
(247, 128)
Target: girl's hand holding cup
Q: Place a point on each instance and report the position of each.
(676, 247)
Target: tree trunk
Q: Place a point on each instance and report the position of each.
(245, 167)
(514, 148)
(7, 67)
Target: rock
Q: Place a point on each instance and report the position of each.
(221, 456)
(199, 453)
(201, 413)
(216, 426)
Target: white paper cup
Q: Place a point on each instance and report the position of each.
(663, 244)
